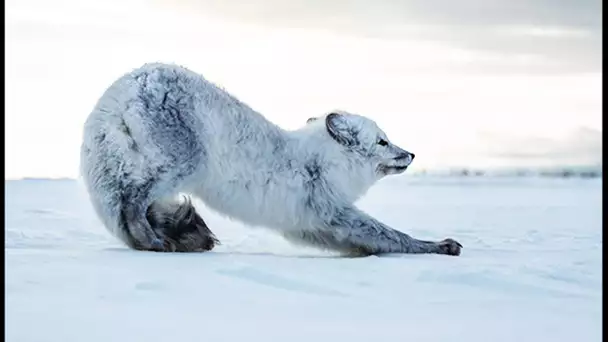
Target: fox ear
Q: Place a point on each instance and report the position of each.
(339, 129)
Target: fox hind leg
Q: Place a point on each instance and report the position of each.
(182, 228)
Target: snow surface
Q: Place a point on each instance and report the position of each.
(530, 271)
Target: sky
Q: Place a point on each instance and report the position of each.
(471, 83)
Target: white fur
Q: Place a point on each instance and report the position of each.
(301, 184)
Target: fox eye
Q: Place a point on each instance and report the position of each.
(382, 142)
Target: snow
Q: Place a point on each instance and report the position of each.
(530, 271)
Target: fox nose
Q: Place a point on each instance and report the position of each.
(406, 155)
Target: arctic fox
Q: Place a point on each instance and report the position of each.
(163, 129)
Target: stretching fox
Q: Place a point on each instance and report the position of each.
(162, 130)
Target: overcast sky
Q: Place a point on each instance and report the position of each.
(566, 32)
(461, 83)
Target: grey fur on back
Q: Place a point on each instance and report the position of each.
(162, 130)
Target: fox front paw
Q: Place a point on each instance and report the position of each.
(449, 247)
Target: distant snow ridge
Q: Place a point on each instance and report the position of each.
(552, 172)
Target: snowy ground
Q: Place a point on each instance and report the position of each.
(530, 271)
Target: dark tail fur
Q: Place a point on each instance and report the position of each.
(182, 228)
